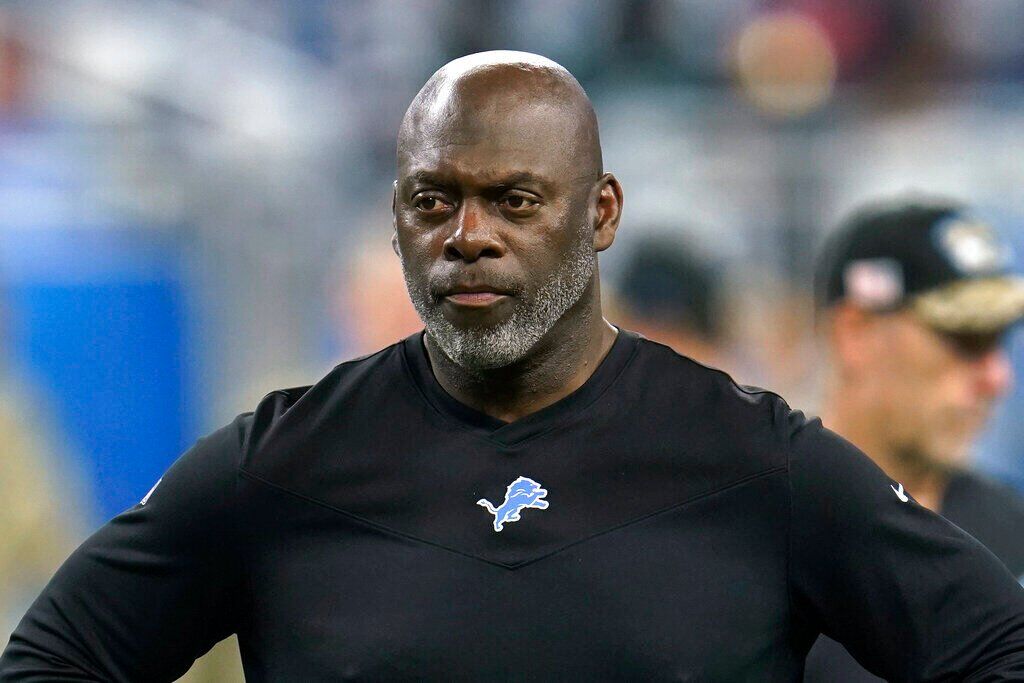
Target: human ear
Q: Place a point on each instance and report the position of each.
(394, 220)
(394, 203)
(608, 208)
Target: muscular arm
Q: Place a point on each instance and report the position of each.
(911, 596)
(149, 592)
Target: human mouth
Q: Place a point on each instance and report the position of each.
(475, 297)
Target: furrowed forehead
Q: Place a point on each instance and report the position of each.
(456, 177)
(495, 177)
(535, 143)
(487, 176)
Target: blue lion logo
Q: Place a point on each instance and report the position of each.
(522, 493)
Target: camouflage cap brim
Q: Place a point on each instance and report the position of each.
(977, 306)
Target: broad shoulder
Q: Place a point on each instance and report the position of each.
(757, 424)
(712, 392)
(729, 420)
(348, 393)
(281, 418)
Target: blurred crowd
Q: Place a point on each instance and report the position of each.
(195, 201)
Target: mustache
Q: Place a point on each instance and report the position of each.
(440, 284)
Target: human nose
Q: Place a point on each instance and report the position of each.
(995, 373)
(473, 237)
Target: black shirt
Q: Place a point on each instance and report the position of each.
(693, 530)
(991, 512)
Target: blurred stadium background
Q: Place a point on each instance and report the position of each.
(194, 197)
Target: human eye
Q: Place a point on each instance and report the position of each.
(519, 203)
(431, 204)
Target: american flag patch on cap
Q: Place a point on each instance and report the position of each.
(873, 283)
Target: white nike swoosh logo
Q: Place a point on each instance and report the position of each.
(899, 492)
(145, 499)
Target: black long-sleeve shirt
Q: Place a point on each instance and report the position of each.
(659, 523)
(992, 513)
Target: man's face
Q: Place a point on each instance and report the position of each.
(494, 232)
(933, 392)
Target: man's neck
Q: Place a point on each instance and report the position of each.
(922, 480)
(560, 364)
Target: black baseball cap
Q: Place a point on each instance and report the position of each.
(667, 279)
(932, 257)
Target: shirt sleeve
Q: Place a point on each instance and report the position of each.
(149, 592)
(910, 595)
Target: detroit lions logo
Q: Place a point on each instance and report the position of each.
(522, 493)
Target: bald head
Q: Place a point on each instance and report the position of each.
(514, 100)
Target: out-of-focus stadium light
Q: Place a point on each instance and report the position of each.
(258, 110)
(120, 53)
(785, 64)
(191, 61)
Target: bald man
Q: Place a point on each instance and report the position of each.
(522, 491)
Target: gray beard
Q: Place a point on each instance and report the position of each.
(510, 341)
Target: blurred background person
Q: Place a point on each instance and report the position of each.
(671, 293)
(915, 298)
(674, 292)
(371, 305)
